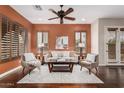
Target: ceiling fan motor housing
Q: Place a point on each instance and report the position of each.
(61, 13)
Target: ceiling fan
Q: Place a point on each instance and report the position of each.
(61, 14)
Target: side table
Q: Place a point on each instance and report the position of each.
(81, 57)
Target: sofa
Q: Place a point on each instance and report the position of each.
(56, 56)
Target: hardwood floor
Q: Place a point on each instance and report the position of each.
(113, 77)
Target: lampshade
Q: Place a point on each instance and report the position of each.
(41, 45)
(81, 45)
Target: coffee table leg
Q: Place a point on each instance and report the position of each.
(69, 65)
(49, 66)
(71, 69)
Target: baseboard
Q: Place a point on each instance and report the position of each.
(10, 71)
(115, 64)
(102, 64)
(111, 65)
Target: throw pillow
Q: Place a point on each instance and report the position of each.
(29, 56)
(90, 57)
(60, 54)
(54, 54)
(66, 54)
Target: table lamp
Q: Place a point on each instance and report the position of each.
(81, 46)
(41, 46)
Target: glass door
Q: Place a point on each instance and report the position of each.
(111, 45)
(122, 44)
(114, 45)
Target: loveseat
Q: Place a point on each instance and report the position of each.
(55, 56)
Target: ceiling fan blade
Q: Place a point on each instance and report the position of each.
(53, 11)
(53, 18)
(69, 18)
(69, 11)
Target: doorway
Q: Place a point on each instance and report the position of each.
(114, 45)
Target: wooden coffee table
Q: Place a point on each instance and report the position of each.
(60, 66)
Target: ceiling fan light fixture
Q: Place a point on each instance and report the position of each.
(40, 19)
(83, 19)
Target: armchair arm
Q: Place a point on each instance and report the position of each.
(23, 63)
(75, 56)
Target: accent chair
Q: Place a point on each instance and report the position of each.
(28, 60)
(90, 62)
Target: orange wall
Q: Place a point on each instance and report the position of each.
(14, 16)
(60, 30)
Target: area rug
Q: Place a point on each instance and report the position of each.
(44, 76)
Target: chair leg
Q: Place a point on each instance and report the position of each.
(23, 70)
(96, 69)
(30, 71)
(81, 68)
(89, 71)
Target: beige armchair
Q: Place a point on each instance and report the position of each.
(29, 61)
(90, 62)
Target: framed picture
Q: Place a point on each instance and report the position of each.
(61, 42)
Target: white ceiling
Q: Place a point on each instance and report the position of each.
(89, 13)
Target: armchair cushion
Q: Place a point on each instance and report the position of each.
(85, 62)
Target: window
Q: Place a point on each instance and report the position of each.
(12, 39)
(80, 37)
(42, 38)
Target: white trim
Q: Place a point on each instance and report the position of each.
(102, 64)
(105, 48)
(10, 71)
(115, 64)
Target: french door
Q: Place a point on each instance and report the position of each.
(114, 45)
